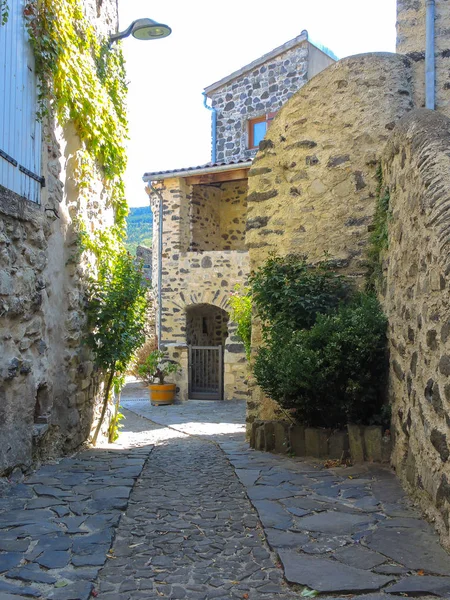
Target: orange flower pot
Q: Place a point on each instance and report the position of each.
(162, 394)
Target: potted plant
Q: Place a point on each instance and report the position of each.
(156, 366)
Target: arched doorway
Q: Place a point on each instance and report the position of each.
(206, 332)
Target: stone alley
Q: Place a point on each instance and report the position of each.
(180, 507)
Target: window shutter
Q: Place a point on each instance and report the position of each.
(20, 132)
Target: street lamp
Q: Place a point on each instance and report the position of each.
(142, 29)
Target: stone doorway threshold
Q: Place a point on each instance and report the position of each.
(204, 400)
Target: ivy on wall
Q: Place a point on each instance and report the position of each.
(379, 237)
(82, 81)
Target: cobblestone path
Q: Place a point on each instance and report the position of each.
(190, 532)
(340, 531)
(182, 508)
(56, 528)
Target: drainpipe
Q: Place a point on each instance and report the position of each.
(160, 248)
(213, 127)
(429, 56)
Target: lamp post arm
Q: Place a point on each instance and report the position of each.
(114, 37)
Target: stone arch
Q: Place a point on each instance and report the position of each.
(212, 297)
(206, 325)
(206, 335)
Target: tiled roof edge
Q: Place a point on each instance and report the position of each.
(208, 168)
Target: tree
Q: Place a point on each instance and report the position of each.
(116, 315)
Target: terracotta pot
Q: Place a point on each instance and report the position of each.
(162, 394)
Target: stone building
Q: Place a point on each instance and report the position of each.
(204, 255)
(144, 257)
(245, 102)
(48, 383)
(313, 189)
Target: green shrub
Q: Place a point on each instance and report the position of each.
(289, 293)
(332, 373)
(240, 303)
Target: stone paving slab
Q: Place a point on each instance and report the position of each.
(355, 521)
(326, 575)
(439, 586)
(57, 526)
(170, 512)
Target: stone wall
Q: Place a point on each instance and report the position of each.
(204, 218)
(313, 183)
(258, 91)
(48, 383)
(233, 215)
(411, 18)
(358, 443)
(217, 216)
(416, 300)
(192, 279)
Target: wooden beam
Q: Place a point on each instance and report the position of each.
(220, 177)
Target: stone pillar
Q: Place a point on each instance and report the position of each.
(236, 368)
(176, 197)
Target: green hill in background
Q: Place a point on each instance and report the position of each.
(139, 228)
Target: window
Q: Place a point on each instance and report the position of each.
(257, 129)
(20, 132)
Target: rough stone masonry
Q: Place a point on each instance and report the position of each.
(312, 185)
(48, 383)
(312, 190)
(260, 88)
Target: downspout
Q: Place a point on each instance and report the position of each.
(430, 82)
(160, 247)
(213, 127)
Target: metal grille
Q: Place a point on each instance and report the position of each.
(205, 373)
(20, 132)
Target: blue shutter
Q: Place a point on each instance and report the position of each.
(20, 132)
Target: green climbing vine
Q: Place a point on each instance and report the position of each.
(4, 12)
(82, 81)
(82, 84)
(379, 237)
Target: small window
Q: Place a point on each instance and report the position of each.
(257, 129)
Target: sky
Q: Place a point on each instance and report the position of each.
(169, 126)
